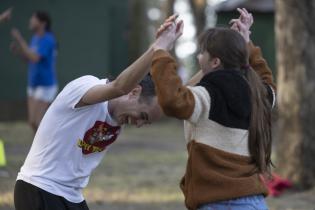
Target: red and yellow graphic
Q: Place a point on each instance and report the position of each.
(97, 138)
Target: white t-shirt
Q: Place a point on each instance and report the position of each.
(70, 142)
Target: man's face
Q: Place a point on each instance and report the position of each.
(138, 112)
(35, 24)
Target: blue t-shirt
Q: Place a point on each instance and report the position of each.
(43, 73)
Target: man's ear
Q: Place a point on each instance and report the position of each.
(215, 63)
(136, 92)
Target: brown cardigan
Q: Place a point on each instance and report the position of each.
(211, 174)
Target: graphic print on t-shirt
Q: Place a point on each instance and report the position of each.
(97, 138)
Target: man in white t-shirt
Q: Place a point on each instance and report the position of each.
(79, 127)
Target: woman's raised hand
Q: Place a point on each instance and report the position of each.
(243, 23)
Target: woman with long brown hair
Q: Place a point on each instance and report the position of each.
(226, 118)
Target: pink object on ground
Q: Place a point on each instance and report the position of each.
(277, 185)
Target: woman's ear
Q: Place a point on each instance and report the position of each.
(136, 92)
(215, 63)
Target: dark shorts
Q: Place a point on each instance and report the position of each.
(30, 197)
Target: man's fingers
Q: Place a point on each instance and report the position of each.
(171, 18)
(166, 25)
(163, 28)
(179, 28)
(169, 27)
(179, 25)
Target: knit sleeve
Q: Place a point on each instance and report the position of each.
(175, 99)
(202, 103)
(260, 65)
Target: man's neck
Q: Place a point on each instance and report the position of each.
(40, 32)
(112, 107)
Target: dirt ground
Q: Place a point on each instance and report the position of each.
(140, 172)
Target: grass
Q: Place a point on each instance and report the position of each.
(141, 171)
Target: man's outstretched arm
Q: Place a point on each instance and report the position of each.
(123, 84)
(20, 47)
(132, 75)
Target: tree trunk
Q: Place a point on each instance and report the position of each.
(169, 7)
(198, 8)
(295, 37)
(138, 33)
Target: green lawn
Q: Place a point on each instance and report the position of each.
(141, 171)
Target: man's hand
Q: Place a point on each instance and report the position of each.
(16, 35)
(243, 23)
(6, 15)
(20, 47)
(14, 48)
(169, 21)
(168, 33)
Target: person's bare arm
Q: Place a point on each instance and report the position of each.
(123, 84)
(24, 50)
(195, 79)
(6, 15)
(16, 50)
(130, 77)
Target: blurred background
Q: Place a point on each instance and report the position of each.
(102, 38)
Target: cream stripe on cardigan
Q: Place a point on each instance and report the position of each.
(209, 132)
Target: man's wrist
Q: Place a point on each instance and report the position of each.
(156, 47)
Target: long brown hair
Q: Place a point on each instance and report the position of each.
(230, 47)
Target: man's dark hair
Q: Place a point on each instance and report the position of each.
(44, 17)
(148, 89)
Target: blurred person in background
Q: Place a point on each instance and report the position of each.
(40, 55)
